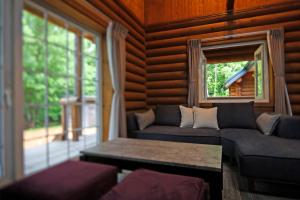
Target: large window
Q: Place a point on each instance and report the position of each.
(235, 72)
(61, 79)
(1, 91)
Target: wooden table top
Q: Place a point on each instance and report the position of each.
(198, 156)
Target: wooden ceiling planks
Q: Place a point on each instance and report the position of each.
(158, 11)
(166, 11)
(136, 7)
(222, 17)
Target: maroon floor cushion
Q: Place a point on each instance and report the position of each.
(150, 185)
(71, 180)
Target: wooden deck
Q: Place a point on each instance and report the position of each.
(35, 154)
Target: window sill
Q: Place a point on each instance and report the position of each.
(224, 100)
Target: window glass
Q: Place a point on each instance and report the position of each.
(234, 73)
(35, 24)
(60, 87)
(220, 78)
(89, 46)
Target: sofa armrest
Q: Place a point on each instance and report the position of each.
(131, 123)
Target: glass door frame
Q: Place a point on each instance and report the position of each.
(12, 90)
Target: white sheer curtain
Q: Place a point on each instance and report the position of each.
(116, 46)
(276, 51)
(196, 59)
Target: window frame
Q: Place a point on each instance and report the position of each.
(12, 93)
(1, 93)
(203, 98)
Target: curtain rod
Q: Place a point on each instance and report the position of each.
(234, 35)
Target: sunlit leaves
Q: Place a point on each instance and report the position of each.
(50, 62)
(217, 74)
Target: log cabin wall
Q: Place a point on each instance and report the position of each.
(244, 86)
(117, 10)
(135, 95)
(166, 50)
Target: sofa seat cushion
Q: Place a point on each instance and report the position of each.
(235, 134)
(174, 133)
(269, 157)
(230, 136)
(146, 184)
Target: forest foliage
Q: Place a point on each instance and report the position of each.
(49, 69)
(217, 74)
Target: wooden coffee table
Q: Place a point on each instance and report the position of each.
(197, 160)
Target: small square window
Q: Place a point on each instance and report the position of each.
(235, 73)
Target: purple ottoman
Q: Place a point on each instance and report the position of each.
(71, 180)
(150, 185)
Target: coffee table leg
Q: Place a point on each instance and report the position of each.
(215, 182)
(215, 191)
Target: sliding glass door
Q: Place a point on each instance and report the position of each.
(61, 80)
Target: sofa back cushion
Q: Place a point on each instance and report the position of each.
(236, 115)
(288, 127)
(167, 115)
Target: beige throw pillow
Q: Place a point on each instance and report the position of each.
(187, 118)
(205, 118)
(267, 122)
(145, 119)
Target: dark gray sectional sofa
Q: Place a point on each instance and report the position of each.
(274, 158)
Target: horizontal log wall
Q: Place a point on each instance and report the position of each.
(135, 89)
(166, 50)
(236, 54)
(244, 87)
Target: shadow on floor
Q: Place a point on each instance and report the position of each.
(235, 188)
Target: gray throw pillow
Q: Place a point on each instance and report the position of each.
(267, 123)
(145, 119)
